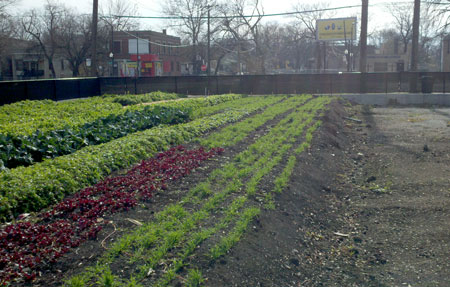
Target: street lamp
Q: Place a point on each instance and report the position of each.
(111, 55)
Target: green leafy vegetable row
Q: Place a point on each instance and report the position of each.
(127, 100)
(25, 117)
(17, 150)
(25, 150)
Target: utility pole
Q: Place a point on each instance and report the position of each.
(138, 70)
(363, 47)
(111, 55)
(209, 41)
(208, 63)
(415, 47)
(363, 37)
(94, 39)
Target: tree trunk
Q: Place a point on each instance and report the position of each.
(75, 68)
(218, 64)
(51, 67)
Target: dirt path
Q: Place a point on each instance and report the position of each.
(369, 206)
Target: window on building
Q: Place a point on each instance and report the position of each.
(172, 67)
(133, 46)
(178, 66)
(117, 49)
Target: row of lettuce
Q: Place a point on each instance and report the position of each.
(23, 150)
(31, 188)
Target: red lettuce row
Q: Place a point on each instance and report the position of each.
(26, 246)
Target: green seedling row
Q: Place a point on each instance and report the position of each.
(232, 134)
(236, 104)
(270, 158)
(282, 180)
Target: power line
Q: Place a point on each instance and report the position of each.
(251, 16)
(234, 16)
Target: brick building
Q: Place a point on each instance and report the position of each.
(155, 53)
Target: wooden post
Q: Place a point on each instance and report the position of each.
(415, 48)
(363, 46)
(94, 39)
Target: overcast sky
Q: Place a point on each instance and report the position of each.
(378, 17)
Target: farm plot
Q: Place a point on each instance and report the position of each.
(254, 157)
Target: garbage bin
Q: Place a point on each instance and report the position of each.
(427, 84)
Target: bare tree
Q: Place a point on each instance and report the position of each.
(192, 22)
(308, 19)
(431, 28)
(44, 27)
(242, 19)
(7, 23)
(307, 22)
(111, 11)
(74, 39)
(300, 47)
(441, 8)
(403, 19)
(4, 4)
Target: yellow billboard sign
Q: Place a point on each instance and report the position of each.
(338, 29)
